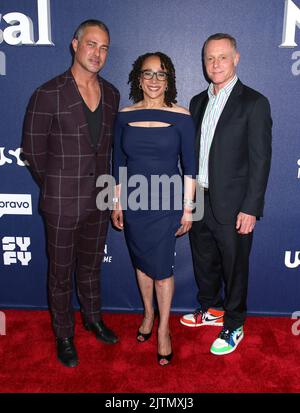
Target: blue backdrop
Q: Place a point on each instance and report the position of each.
(178, 28)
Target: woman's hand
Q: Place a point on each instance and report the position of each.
(186, 222)
(117, 218)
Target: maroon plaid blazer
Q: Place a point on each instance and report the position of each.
(58, 147)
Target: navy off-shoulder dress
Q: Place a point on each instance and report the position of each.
(152, 152)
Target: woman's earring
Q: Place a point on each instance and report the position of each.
(140, 86)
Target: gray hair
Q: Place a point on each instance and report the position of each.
(88, 23)
(220, 36)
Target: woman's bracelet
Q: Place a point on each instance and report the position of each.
(188, 203)
(115, 200)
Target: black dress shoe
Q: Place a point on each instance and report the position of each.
(66, 352)
(102, 332)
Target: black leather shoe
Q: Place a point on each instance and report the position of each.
(66, 352)
(102, 332)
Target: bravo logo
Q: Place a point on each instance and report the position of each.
(291, 20)
(20, 30)
(15, 204)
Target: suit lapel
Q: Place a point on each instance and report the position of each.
(73, 101)
(103, 112)
(199, 113)
(228, 110)
(230, 106)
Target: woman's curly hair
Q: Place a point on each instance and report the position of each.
(136, 94)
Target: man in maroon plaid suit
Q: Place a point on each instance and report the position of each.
(67, 142)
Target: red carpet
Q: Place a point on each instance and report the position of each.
(267, 360)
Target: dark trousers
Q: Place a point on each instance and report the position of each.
(75, 244)
(221, 265)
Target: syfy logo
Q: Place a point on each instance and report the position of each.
(106, 258)
(15, 249)
(291, 20)
(288, 259)
(15, 204)
(14, 154)
(20, 31)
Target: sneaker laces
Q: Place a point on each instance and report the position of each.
(198, 312)
(225, 334)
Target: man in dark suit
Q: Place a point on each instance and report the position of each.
(67, 142)
(233, 146)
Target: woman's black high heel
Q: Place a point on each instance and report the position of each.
(168, 358)
(145, 336)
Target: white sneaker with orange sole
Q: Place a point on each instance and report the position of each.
(211, 317)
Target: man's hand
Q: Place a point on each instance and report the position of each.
(245, 223)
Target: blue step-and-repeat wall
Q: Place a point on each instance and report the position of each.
(34, 46)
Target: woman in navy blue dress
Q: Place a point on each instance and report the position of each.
(153, 137)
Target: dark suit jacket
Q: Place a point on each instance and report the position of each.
(58, 147)
(240, 154)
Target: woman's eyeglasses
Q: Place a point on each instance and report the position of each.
(148, 75)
